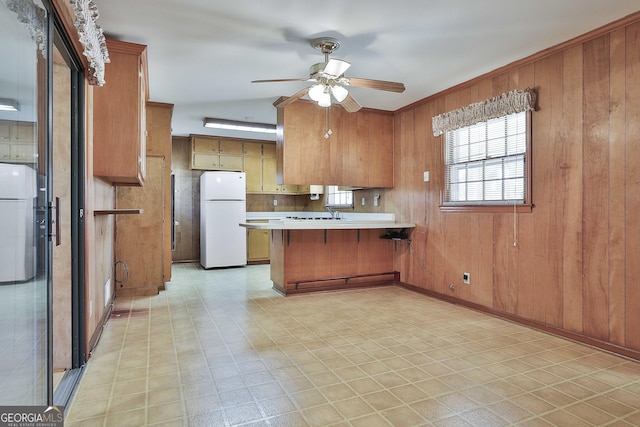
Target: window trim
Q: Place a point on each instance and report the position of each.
(333, 205)
(525, 207)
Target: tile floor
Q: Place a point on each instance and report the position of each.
(220, 348)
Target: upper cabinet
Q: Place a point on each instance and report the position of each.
(211, 153)
(119, 116)
(17, 142)
(357, 153)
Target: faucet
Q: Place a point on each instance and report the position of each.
(331, 211)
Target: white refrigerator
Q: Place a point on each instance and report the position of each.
(17, 240)
(223, 206)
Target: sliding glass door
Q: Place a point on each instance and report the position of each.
(24, 240)
(41, 224)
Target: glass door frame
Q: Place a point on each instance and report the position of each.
(58, 35)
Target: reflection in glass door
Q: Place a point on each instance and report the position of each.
(24, 269)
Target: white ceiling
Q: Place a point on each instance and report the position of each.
(203, 54)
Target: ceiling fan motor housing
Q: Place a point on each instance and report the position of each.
(326, 45)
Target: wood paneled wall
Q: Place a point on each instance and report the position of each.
(572, 263)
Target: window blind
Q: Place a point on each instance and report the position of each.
(485, 162)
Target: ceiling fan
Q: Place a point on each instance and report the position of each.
(330, 82)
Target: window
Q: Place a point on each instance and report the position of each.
(486, 163)
(338, 198)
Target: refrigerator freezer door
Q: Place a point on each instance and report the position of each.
(17, 182)
(223, 186)
(223, 243)
(17, 250)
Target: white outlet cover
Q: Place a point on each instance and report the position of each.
(426, 176)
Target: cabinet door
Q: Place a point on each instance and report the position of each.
(257, 244)
(252, 149)
(5, 131)
(232, 163)
(253, 170)
(231, 147)
(23, 132)
(119, 130)
(205, 161)
(23, 153)
(5, 153)
(203, 144)
(288, 189)
(269, 150)
(269, 185)
(304, 189)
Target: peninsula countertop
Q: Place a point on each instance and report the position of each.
(322, 221)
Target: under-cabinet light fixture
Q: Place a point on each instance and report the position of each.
(237, 125)
(7, 104)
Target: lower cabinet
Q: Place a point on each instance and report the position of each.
(258, 245)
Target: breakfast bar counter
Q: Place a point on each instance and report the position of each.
(324, 254)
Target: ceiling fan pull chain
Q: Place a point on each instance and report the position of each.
(326, 115)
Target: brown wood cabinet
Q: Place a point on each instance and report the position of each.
(119, 128)
(159, 144)
(140, 238)
(358, 153)
(148, 258)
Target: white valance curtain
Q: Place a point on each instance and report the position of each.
(92, 39)
(512, 102)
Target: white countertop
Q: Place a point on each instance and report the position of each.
(325, 224)
(322, 221)
(352, 216)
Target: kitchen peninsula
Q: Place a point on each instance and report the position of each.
(322, 253)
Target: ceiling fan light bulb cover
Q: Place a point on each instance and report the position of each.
(325, 100)
(316, 92)
(339, 93)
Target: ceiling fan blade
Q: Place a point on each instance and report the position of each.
(336, 67)
(350, 104)
(280, 80)
(283, 102)
(376, 84)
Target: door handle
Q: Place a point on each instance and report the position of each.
(57, 222)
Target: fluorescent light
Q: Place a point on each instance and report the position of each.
(240, 126)
(7, 104)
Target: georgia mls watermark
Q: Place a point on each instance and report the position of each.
(31, 416)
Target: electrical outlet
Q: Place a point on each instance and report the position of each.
(466, 278)
(363, 201)
(426, 176)
(275, 202)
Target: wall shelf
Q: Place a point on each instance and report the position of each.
(117, 212)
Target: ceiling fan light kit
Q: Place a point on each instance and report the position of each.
(329, 80)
